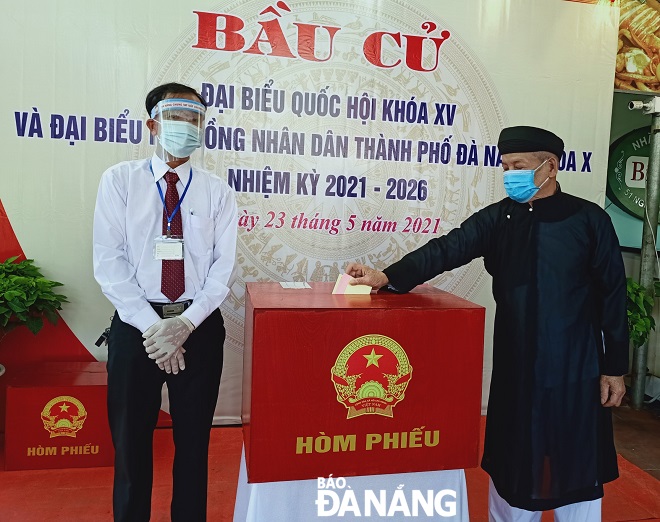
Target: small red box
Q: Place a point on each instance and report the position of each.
(56, 417)
(359, 384)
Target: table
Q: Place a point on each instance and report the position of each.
(296, 500)
(56, 417)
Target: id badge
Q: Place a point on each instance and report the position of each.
(168, 248)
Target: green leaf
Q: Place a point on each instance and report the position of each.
(13, 294)
(16, 307)
(656, 287)
(34, 324)
(51, 316)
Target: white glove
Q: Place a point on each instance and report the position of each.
(162, 339)
(175, 364)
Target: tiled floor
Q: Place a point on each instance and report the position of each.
(85, 494)
(637, 436)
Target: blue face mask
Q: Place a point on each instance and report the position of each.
(180, 138)
(519, 184)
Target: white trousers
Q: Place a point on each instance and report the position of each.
(500, 511)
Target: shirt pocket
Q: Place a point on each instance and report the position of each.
(199, 236)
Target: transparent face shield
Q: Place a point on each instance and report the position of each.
(181, 129)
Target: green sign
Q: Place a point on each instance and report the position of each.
(626, 171)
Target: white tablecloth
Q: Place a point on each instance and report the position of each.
(444, 497)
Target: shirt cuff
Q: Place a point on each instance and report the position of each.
(144, 319)
(187, 322)
(195, 314)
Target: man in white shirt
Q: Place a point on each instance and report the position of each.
(164, 252)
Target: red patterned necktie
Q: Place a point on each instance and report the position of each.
(172, 281)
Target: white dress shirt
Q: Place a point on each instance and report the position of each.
(127, 219)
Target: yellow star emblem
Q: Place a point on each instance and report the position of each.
(372, 358)
(64, 407)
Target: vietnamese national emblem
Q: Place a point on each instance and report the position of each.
(371, 375)
(63, 416)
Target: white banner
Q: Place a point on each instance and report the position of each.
(349, 130)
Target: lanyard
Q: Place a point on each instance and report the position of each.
(162, 198)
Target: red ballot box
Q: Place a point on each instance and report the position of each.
(359, 384)
(56, 417)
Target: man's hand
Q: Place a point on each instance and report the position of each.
(162, 339)
(365, 275)
(175, 364)
(612, 390)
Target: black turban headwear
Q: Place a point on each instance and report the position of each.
(529, 139)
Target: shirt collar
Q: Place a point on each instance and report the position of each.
(160, 168)
(549, 200)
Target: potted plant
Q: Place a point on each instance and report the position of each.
(640, 318)
(640, 312)
(26, 297)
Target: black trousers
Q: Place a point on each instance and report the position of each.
(134, 398)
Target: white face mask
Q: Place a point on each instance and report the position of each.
(179, 138)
